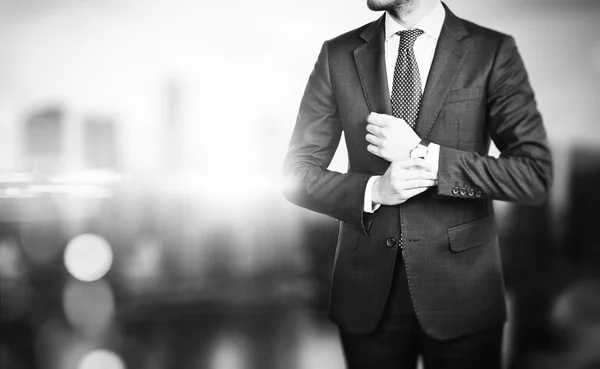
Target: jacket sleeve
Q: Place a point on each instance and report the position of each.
(523, 171)
(307, 181)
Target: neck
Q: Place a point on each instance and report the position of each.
(410, 14)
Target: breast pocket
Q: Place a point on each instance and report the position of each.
(463, 94)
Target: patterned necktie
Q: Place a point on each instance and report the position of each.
(406, 90)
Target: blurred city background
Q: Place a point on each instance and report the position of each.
(142, 224)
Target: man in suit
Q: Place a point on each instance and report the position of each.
(419, 94)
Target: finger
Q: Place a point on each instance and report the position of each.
(381, 120)
(374, 150)
(410, 163)
(419, 174)
(376, 130)
(426, 165)
(373, 139)
(413, 192)
(420, 183)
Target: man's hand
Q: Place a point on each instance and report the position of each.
(390, 138)
(402, 180)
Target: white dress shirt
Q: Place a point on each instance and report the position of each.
(424, 49)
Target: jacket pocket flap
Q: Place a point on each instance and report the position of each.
(464, 94)
(472, 234)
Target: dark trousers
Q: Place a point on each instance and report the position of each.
(399, 340)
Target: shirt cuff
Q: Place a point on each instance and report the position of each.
(433, 156)
(369, 207)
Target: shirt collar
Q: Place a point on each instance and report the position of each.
(431, 24)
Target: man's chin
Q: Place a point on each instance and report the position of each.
(375, 5)
(391, 5)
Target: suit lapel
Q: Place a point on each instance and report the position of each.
(370, 62)
(450, 55)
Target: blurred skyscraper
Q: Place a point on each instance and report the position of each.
(100, 143)
(44, 146)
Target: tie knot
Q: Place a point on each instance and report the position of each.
(408, 38)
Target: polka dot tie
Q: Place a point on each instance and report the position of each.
(406, 90)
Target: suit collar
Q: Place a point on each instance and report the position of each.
(449, 57)
(370, 62)
(454, 25)
(373, 29)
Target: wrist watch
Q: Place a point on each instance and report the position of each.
(420, 151)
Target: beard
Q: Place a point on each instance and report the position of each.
(396, 8)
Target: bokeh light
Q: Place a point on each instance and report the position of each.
(57, 346)
(88, 257)
(89, 306)
(577, 306)
(143, 267)
(230, 352)
(320, 350)
(101, 359)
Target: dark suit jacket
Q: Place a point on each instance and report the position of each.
(477, 90)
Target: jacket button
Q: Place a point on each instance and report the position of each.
(478, 194)
(471, 192)
(463, 191)
(390, 242)
(455, 191)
